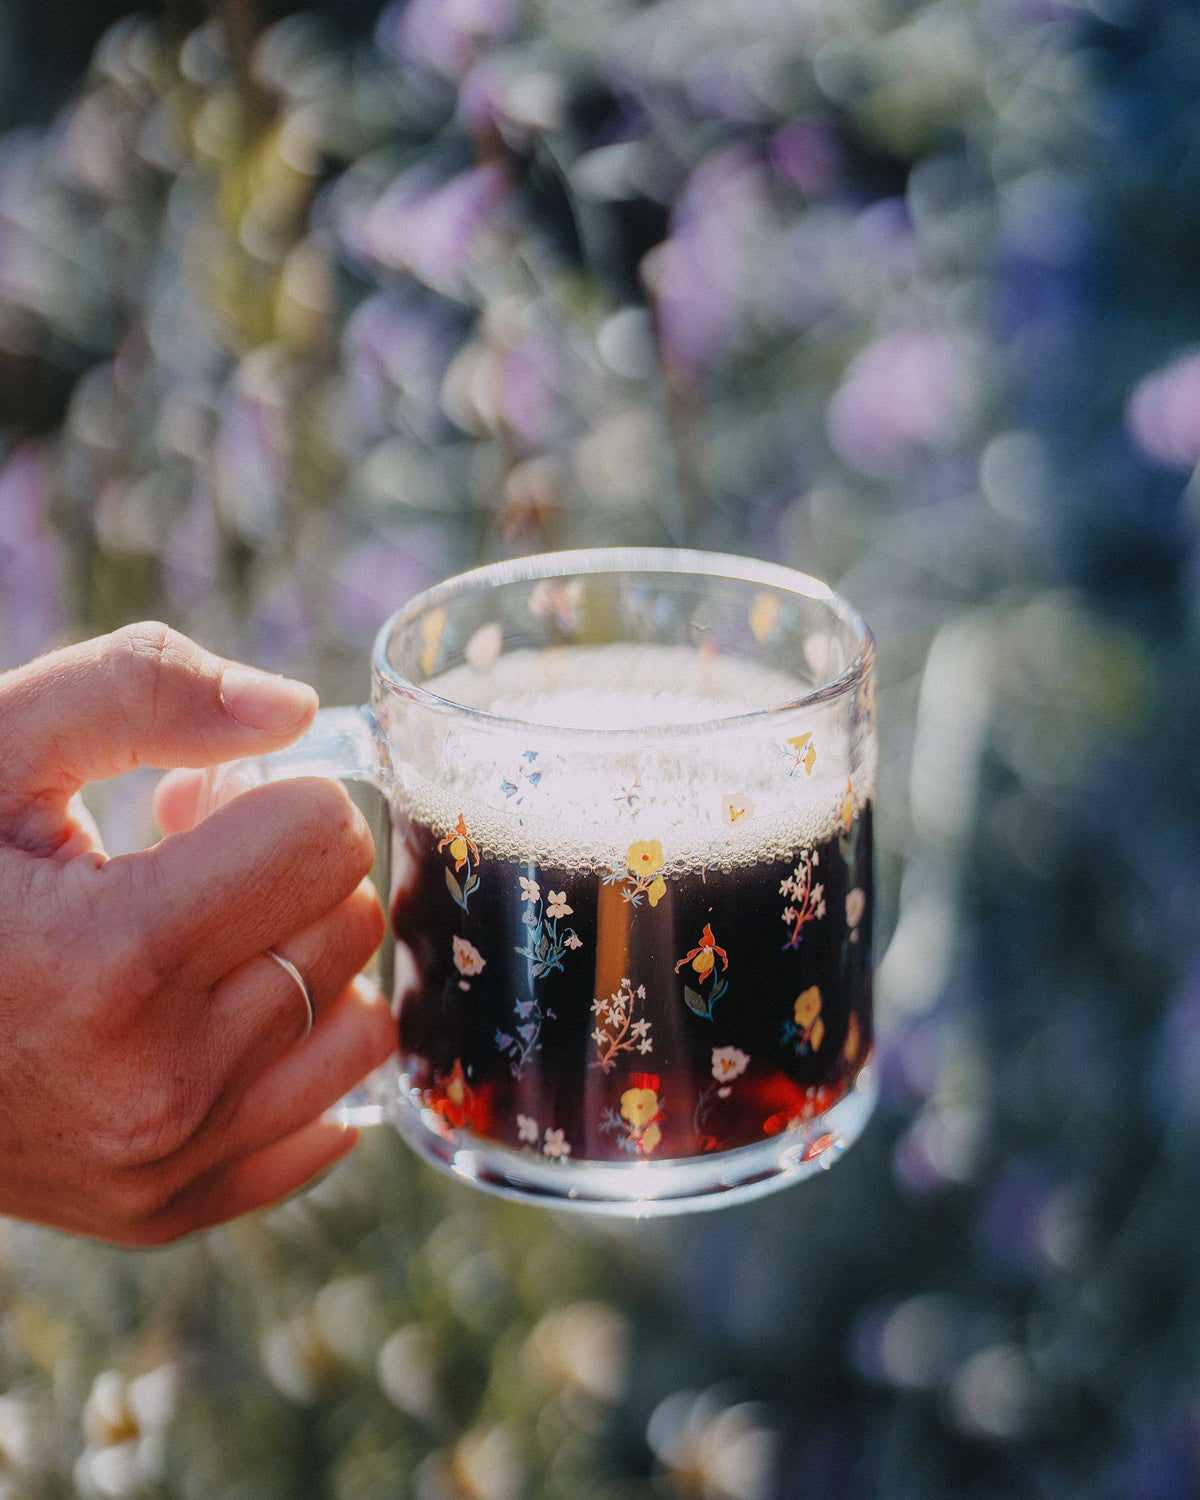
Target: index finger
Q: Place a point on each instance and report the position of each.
(265, 865)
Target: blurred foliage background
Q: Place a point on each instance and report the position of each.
(299, 312)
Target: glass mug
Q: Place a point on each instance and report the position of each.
(628, 871)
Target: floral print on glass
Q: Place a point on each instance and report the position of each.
(704, 960)
(617, 1028)
(464, 851)
(806, 899)
(637, 1125)
(546, 944)
(639, 876)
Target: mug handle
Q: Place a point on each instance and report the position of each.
(348, 744)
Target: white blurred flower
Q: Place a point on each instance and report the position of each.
(713, 1451)
(296, 1358)
(583, 1347)
(126, 1423)
(487, 1464)
(1163, 414)
(991, 1393)
(406, 1371)
(18, 1435)
(345, 1314)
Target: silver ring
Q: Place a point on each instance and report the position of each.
(289, 967)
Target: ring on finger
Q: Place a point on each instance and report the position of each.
(290, 968)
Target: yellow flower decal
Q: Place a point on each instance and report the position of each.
(808, 1006)
(433, 627)
(639, 1106)
(644, 857)
(846, 808)
(803, 753)
(764, 615)
(853, 1040)
(806, 1031)
(637, 1126)
(640, 877)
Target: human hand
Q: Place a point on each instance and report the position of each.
(154, 1073)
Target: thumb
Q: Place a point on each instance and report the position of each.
(144, 696)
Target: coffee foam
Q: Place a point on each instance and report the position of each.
(716, 796)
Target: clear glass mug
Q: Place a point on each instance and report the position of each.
(628, 874)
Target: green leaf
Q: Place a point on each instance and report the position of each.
(696, 1003)
(455, 889)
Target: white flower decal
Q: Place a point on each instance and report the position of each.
(856, 904)
(573, 941)
(527, 1129)
(729, 1063)
(556, 905)
(467, 957)
(484, 646)
(531, 891)
(554, 1146)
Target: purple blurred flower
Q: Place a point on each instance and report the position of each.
(530, 384)
(1163, 1465)
(280, 632)
(249, 467)
(444, 35)
(702, 275)
(805, 151)
(432, 231)
(31, 564)
(481, 97)
(192, 555)
(908, 391)
(376, 577)
(394, 357)
(1175, 1076)
(1010, 1225)
(1163, 414)
(883, 233)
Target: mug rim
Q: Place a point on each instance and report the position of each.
(685, 561)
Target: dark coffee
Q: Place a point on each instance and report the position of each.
(632, 1012)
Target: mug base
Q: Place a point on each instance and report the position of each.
(640, 1189)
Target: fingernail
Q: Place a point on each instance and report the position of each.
(259, 700)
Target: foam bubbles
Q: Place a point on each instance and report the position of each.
(719, 795)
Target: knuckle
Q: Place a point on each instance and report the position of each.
(161, 1120)
(145, 655)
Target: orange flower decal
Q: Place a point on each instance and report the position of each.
(462, 845)
(463, 849)
(703, 958)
